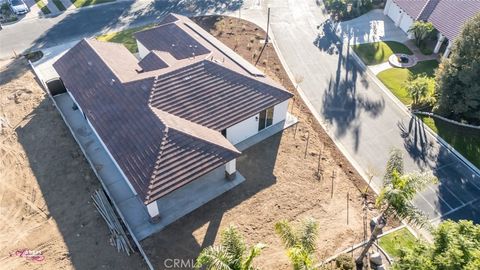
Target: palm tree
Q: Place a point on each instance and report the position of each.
(299, 242)
(231, 254)
(420, 31)
(395, 198)
(417, 88)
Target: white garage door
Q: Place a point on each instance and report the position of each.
(393, 12)
(406, 23)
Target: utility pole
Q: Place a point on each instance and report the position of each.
(268, 26)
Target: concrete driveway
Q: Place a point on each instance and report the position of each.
(370, 27)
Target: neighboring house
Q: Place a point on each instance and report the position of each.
(175, 113)
(447, 16)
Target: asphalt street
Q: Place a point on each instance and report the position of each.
(45, 32)
(364, 121)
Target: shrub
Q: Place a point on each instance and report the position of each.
(344, 262)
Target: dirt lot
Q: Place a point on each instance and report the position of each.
(45, 185)
(281, 182)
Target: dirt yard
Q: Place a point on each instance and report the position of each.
(45, 186)
(282, 181)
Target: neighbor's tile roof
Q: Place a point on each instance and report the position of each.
(412, 8)
(160, 117)
(447, 16)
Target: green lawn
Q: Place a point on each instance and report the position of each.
(83, 3)
(125, 37)
(395, 78)
(392, 243)
(378, 52)
(43, 7)
(465, 140)
(59, 5)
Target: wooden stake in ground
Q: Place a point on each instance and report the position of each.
(333, 177)
(306, 146)
(348, 199)
(319, 175)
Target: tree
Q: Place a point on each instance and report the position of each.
(395, 198)
(456, 246)
(300, 242)
(458, 84)
(231, 254)
(417, 88)
(337, 7)
(420, 31)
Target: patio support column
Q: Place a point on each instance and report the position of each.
(447, 50)
(440, 40)
(152, 209)
(230, 169)
(397, 23)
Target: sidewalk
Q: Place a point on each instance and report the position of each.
(51, 6)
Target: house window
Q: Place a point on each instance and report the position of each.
(265, 118)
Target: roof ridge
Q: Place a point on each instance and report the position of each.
(157, 162)
(196, 136)
(427, 3)
(254, 79)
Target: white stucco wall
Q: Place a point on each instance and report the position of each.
(243, 130)
(280, 112)
(142, 51)
(249, 127)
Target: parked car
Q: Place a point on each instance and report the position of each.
(18, 7)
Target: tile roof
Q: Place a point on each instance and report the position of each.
(152, 61)
(212, 95)
(160, 118)
(412, 8)
(447, 16)
(171, 38)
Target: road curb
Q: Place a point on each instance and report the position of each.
(310, 106)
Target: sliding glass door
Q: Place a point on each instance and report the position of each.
(265, 118)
